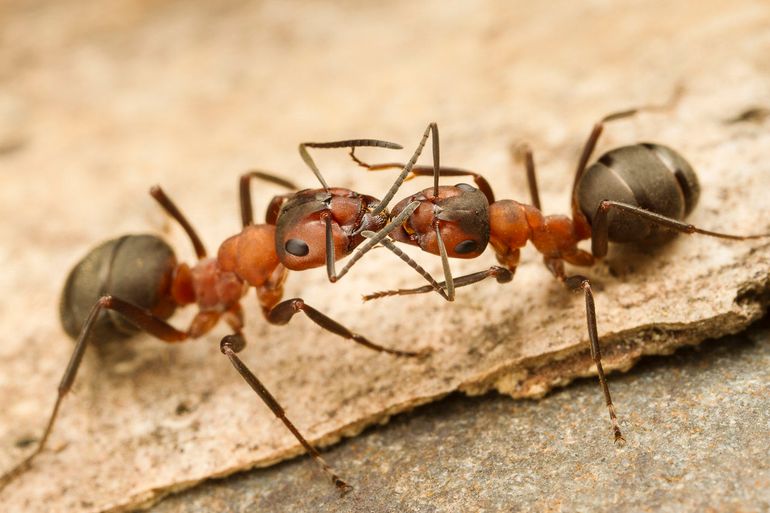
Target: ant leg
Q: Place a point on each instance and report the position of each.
(596, 132)
(232, 344)
(283, 312)
(502, 275)
(583, 227)
(244, 189)
(363, 248)
(172, 210)
(448, 281)
(479, 179)
(523, 151)
(139, 316)
(432, 128)
(577, 283)
(349, 143)
(395, 222)
(600, 236)
(434, 285)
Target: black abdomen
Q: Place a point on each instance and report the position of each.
(135, 268)
(650, 176)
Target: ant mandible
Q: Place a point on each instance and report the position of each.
(639, 193)
(134, 283)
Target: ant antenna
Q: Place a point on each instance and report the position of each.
(349, 143)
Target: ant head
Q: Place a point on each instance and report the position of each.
(302, 245)
(301, 228)
(459, 213)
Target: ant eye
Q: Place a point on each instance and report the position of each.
(297, 247)
(466, 246)
(465, 187)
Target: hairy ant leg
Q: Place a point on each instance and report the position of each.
(244, 193)
(363, 248)
(582, 224)
(150, 320)
(501, 274)
(232, 344)
(172, 210)
(379, 209)
(449, 208)
(140, 317)
(280, 313)
(348, 143)
(523, 151)
(434, 285)
(394, 223)
(480, 181)
(283, 312)
(600, 226)
(578, 283)
(568, 241)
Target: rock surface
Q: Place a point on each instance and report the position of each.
(101, 101)
(696, 423)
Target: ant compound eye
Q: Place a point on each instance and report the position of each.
(466, 246)
(465, 187)
(297, 247)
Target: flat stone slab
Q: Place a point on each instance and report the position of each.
(100, 104)
(696, 426)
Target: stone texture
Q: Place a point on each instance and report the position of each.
(105, 99)
(696, 424)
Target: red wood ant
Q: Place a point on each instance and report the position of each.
(134, 283)
(638, 193)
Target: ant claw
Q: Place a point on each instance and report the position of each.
(342, 487)
(519, 150)
(422, 353)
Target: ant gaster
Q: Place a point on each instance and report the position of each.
(638, 193)
(134, 283)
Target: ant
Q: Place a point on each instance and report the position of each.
(639, 193)
(134, 283)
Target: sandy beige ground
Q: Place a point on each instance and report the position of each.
(98, 103)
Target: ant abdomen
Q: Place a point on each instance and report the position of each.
(649, 176)
(135, 268)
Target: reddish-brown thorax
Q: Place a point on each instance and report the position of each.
(251, 257)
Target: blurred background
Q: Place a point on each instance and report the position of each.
(100, 100)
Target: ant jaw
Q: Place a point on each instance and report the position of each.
(375, 222)
(369, 222)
